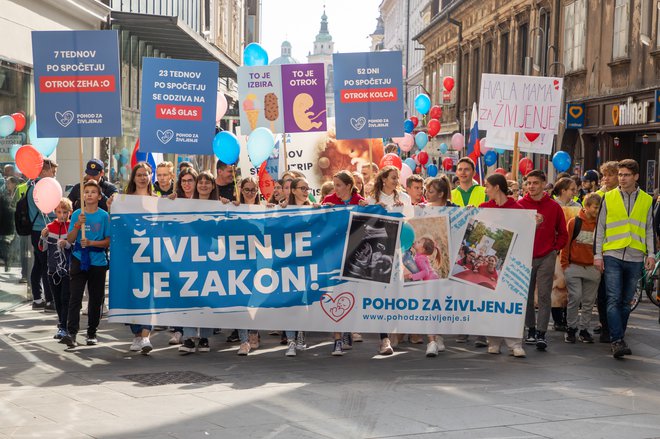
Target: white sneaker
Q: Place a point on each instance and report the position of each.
(291, 350)
(135, 346)
(176, 338)
(441, 343)
(432, 349)
(300, 341)
(385, 347)
(493, 349)
(518, 353)
(357, 337)
(243, 349)
(145, 345)
(253, 339)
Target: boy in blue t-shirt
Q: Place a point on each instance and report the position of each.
(89, 263)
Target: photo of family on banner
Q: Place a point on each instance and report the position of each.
(196, 263)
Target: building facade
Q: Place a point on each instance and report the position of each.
(614, 80)
(324, 47)
(18, 20)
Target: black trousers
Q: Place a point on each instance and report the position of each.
(61, 294)
(94, 278)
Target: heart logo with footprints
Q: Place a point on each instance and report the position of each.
(337, 307)
(358, 123)
(65, 118)
(165, 136)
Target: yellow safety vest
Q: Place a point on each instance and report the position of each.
(477, 196)
(601, 193)
(621, 230)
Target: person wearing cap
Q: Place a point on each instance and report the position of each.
(589, 183)
(94, 171)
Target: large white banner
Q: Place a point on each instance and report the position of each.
(526, 104)
(203, 264)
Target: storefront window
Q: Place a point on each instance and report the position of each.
(575, 20)
(621, 19)
(15, 85)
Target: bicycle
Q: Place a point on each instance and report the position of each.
(650, 284)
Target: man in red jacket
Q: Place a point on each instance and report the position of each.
(550, 238)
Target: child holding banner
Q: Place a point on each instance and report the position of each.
(89, 263)
(388, 194)
(497, 191)
(345, 194)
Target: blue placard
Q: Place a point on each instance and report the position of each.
(368, 95)
(657, 105)
(574, 115)
(178, 105)
(76, 83)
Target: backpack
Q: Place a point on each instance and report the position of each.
(22, 220)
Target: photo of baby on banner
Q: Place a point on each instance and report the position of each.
(370, 247)
(482, 254)
(428, 257)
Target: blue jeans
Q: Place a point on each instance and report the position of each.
(197, 332)
(621, 277)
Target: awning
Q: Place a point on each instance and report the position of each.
(174, 37)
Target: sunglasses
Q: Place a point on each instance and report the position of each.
(303, 188)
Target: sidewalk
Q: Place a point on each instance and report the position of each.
(12, 293)
(571, 391)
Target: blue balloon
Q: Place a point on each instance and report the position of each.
(443, 148)
(432, 170)
(422, 103)
(421, 139)
(8, 126)
(260, 145)
(45, 145)
(412, 164)
(490, 158)
(226, 147)
(407, 236)
(255, 55)
(408, 126)
(561, 161)
(13, 150)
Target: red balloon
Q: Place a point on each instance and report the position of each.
(526, 165)
(390, 159)
(266, 183)
(448, 82)
(19, 120)
(500, 171)
(435, 112)
(423, 157)
(29, 161)
(418, 170)
(447, 163)
(434, 127)
(415, 121)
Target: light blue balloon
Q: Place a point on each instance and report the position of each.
(432, 170)
(45, 145)
(8, 126)
(407, 236)
(412, 164)
(499, 150)
(226, 147)
(422, 103)
(255, 55)
(13, 150)
(443, 148)
(561, 161)
(490, 158)
(421, 139)
(260, 145)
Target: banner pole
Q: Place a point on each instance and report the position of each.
(516, 154)
(286, 156)
(236, 191)
(371, 159)
(82, 182)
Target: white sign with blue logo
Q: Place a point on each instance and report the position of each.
(178, 106)
(203, 264)
(76, 83)
(368, 95)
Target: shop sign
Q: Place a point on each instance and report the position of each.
(575, 116)
(630, 113)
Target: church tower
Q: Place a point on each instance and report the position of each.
(324, 47)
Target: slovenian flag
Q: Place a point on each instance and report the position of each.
(473, 147)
